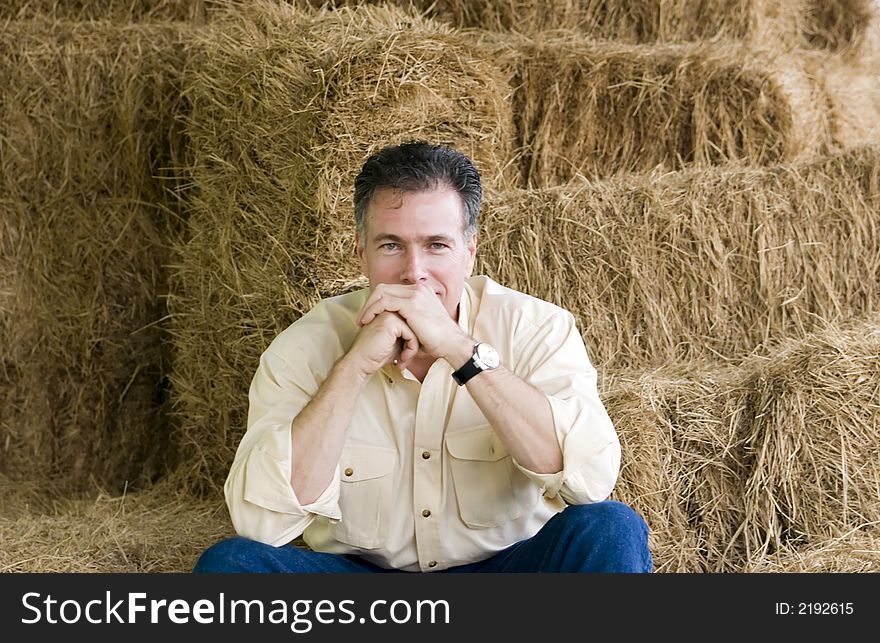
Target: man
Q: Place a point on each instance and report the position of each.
(435, 421)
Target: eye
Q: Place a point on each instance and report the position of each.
(389, 247)
(438, 246)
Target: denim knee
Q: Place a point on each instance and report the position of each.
(616, 525)
(613, 515)
(225, 556)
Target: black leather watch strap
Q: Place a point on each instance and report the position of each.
(466, 372)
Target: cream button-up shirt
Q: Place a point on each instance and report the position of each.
(423, 483)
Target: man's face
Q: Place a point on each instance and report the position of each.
(416, 237)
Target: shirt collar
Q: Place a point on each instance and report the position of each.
(465, 305)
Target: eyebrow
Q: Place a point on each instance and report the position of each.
(433, 238)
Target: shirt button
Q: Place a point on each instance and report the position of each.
(349, 471)
(432, 563)
(426, 455)
(426, 512)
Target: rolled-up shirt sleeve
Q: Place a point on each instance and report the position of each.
(261, 501)
(555, 361)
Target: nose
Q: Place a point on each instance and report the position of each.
(414, 270)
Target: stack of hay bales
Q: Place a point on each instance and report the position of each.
(810, 24)
(91, 151)
(695, 287)
(87, 130)
(660, 268)
(286, 104)
(763, 233)
(696, 181)
(674, 279)
(755, 81)
(593, 108)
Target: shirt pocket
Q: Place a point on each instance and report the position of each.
(489, 489)
(365, 495)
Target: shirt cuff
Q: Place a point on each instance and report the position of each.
(590, 454)
(267, 479)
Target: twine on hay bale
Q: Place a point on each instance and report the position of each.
(87, 128)
(601, 108)
(155, 530)
(286, 105)
(696, 264)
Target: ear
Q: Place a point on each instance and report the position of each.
(360, 250)
(471, 255)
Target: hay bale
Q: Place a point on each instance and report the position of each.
(828, 25)
(683, 462)
(848, 27)
(697, 264)
(852, 97)
(28, 497)
(600, 108)
(645, 481)
(814, 438)
(123, 11)
(286, 105)
(398, 78)
(233, 287)
(634, 21)
(155, 530)
(837, 26)
(87, 130)
(853, 553)
(735, 465)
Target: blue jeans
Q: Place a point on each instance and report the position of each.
(605, 536)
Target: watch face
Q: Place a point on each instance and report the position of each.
(488, 355)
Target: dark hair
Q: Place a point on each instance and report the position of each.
(418, 167)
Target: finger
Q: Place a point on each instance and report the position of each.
(409, 343)
(369, 314)
(386, 290)
(399, 292)
(371, 300)
(398, 350)
(374, 296)
(410, 349)
(385, 304)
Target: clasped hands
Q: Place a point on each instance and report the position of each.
(402, 321)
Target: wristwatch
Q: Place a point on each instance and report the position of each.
(485, 358)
